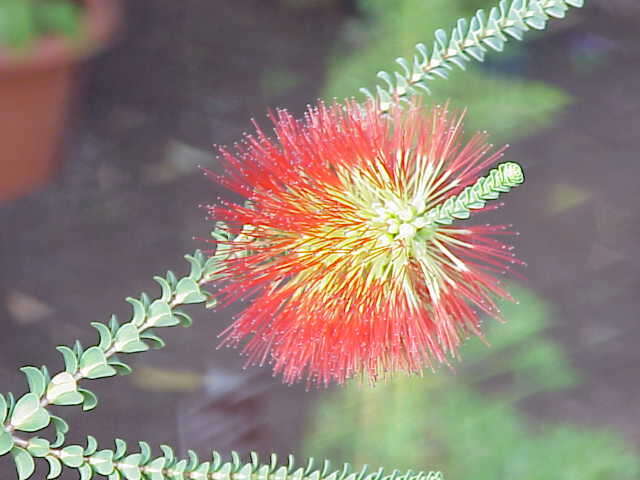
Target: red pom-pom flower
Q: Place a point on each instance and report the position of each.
(354, 253)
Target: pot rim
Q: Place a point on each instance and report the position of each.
(100, 21)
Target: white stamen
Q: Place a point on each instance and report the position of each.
(407, 213)
(407, 231)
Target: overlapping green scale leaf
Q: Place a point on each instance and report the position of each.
(499, 180)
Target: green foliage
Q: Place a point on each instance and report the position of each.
(438, 420)
(510, 105)
(520, 352)
(29, 413)
(121, 464)
(467, 40)
(24, 21)
(25, 465)
(499, 180)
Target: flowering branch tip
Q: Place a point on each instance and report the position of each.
(500, 180)
(347, 249)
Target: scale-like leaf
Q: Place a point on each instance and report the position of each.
(24, 463)
(28, 415)
(93, 364)
(35, 379)
(6, 442)
(188, 291)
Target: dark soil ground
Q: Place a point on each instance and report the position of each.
(124, 207)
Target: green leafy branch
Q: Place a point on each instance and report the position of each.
(467, 40)
(499, 180)
(29, 413)
(120, 464)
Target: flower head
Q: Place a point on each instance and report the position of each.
(354, 252)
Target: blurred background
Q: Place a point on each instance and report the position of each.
(555, 396)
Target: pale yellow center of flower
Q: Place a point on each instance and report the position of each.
(384, 235)
(396, 220)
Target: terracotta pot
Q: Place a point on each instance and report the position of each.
(35, 88)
